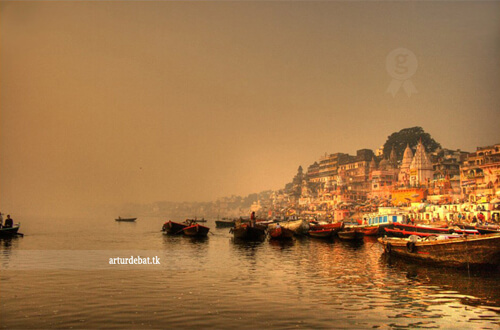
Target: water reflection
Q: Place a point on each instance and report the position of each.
(7, 244)
(281, 245)
(476, 287)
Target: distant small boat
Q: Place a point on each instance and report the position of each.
(196, 230)
(125, 219)
(10, 231)
(224, 223)
(173, 228)
(195, 220)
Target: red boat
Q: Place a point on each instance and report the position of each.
(281, 233)
(405, 233)
(322, 233)
(337, 226)
(196, 230)
(417, 230)
(368, 230)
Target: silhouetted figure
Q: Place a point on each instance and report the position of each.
(8, 222)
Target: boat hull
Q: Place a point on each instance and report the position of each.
(247, 232)
(350, 234)
(224, 224)
(173, 228)
(299, 227)
(480, 250)
(196, 230)
(281, 233)
(336, 227)
(368, 230)
(10, 231)
(126, 219)
(322, 233)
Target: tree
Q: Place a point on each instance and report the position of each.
(410, 136)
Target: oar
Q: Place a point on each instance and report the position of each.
(20, 234)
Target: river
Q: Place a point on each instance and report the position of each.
(59, 276)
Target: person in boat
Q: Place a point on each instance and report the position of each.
(474, 219)
(9, 222)
(252, 219)
(1, 219)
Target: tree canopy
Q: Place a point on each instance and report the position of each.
(410, 136)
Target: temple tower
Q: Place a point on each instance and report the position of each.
(421, 170)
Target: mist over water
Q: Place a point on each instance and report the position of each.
(59, 276)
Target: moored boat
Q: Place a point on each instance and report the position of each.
(10, 231)
(322, 233)
(368, 230)
(402, 233)
(173, 228)
(280, 232)
(224, 223)
(336, 226)
(477, 250)
(196, 230)
(299, 227)
(125, 219)
(405, 230)
(195, 220)
(246, 232)
(482, 229)
(350, 234)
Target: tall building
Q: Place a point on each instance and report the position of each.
(421, 170)
(480, 174)
(404, 171)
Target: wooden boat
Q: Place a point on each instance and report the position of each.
(125, 219)
(246, 232)
(196, 230)
(482, 229)
(299, 227)
(430, 229)
(10, 231)
(477, 250)
(322, 233)
(224, 223)
(350, 234)
(337, 226)
(402, 233)
(368, 230)
(173, 228)
(280, 232)
(195, 220)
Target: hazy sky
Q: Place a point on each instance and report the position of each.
(118, 102)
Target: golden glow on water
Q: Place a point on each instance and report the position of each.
(220, 283)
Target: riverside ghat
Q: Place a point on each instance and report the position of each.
(423, 202)
(452, 235)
